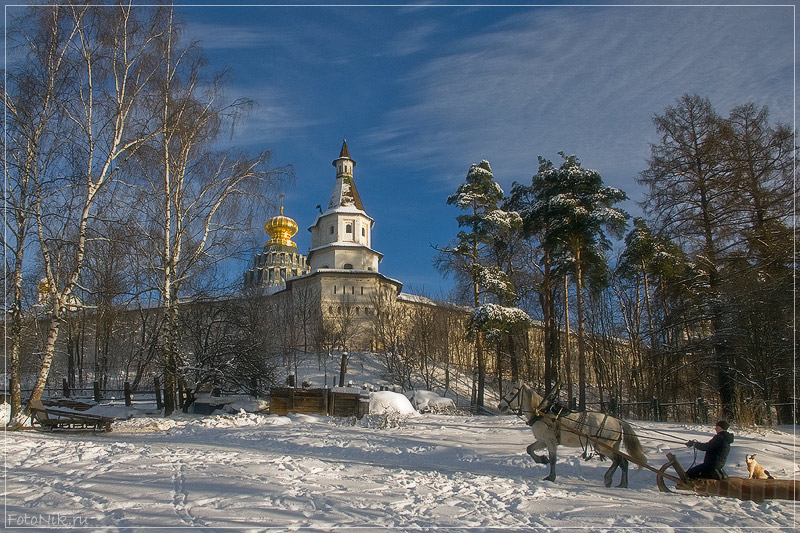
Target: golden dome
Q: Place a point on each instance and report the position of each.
(281, 229)
(44, 287)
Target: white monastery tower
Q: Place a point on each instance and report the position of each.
(341, 237)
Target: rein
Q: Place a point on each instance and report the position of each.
(674, 438)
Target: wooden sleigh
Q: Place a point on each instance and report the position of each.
(59, 418)
(756, 490)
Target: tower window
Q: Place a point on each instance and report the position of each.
(331, 231)
(348, 228)
(363, 232)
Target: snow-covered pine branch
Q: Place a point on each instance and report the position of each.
(492, 316)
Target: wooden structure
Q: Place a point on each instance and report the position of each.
(59, 418)
(756, 490)
(68, 404)
(333, 402)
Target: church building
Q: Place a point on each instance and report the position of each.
(280, 259)
(341, 273)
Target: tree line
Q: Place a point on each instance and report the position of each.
(698, 300)
(120, 191)
(122, 203)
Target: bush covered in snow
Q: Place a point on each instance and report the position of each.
(387, 409)
(382, 402)
(426, 401)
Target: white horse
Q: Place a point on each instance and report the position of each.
(571, 430)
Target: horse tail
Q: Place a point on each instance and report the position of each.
(632, 444)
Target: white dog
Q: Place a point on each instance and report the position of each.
(755, 470)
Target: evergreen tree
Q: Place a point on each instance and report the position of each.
(479, 196)
(654, 262)
(579, 210)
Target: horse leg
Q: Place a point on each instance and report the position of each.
(539, 459)
(623, 483)
(609, 475)
(552, 453)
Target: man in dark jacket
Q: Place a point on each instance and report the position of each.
(716, 449)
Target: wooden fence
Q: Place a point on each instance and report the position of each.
(332, 402)
(701, 411)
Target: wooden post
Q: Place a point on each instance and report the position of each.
(254, 387)
(181, 397)
(97, 396)
(128, 395)
(656, 410)
(614, 406)
(159, 400)
(701, 410)
(65, 387)
(573, 404)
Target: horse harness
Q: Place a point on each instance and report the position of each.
(554, 412)
(550, 411)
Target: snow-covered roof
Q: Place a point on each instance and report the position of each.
(413, 298)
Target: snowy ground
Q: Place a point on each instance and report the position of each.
(255, 472)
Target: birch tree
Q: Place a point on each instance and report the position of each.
(106, 61)
(193, 199)
(33, 138)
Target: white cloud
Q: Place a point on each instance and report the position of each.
(586, 81)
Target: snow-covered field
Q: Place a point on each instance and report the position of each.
(255, 472)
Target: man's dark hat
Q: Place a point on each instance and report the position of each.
(724, 425)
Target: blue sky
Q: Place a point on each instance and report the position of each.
(421, 93)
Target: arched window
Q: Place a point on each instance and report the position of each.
(348, 266)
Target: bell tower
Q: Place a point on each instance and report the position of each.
(341, 237)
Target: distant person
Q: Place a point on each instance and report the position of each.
(716, 449)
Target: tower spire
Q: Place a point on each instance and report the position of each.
(344, 192)
(344, 152)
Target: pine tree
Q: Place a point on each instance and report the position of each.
(578, 209)
(480, 197)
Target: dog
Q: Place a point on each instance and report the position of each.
(755, 470)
